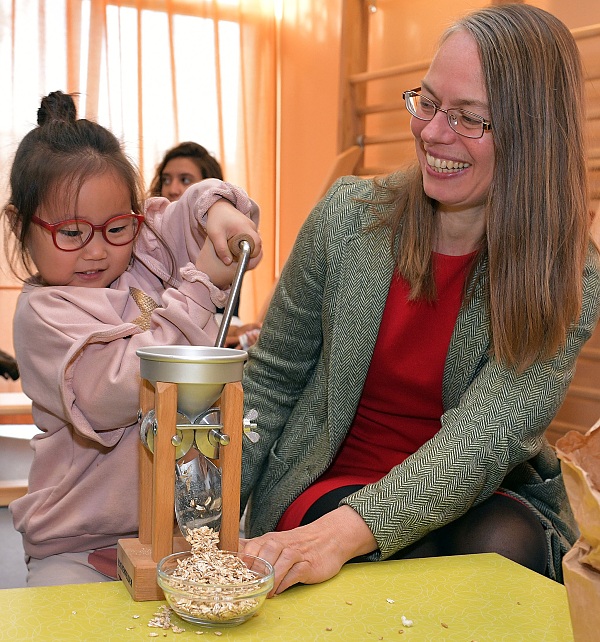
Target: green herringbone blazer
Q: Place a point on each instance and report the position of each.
(306, 374)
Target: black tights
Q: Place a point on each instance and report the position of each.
(500, 525)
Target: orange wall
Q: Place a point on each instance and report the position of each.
(574, 14)
(310, 38)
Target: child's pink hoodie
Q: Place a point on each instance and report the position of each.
(76, 349)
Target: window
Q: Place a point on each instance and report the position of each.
(121, 62)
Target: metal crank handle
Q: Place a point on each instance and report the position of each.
(241, 246)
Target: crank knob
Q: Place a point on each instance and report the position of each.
(235, 241)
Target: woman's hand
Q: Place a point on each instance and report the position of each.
(315, 552)
(224, 222)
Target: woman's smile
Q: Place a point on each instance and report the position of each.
(445, 166)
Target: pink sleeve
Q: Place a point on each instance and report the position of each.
(182, 224)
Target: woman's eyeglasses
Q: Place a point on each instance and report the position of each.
(76, 233)
(464, 123)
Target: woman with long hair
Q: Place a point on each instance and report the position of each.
(426, 326)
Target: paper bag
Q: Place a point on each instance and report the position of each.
(580, 463)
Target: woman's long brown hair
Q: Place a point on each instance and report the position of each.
(537, 213)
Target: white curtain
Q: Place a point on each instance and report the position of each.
(155, 72)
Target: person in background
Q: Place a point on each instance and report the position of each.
(427, 325)
(182, 166)
(108, 275)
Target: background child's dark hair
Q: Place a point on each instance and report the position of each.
(207, 165)
(51, 164)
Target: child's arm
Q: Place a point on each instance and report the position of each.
(184, 225)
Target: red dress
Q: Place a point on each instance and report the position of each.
(401, 402)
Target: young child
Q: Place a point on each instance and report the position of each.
(111, 276)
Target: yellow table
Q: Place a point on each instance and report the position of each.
(482, 598)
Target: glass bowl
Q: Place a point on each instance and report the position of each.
(215, 604)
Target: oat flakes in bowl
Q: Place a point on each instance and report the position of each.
(213, 587)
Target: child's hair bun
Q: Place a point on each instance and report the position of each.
(57, 106)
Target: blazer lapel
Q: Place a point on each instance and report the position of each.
(365, 273)
(469, 345)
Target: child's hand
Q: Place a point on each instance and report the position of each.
(224, 222)
(209, 263)
(219, 273)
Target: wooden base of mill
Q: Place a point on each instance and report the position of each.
(137, 558)
(137, 569)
